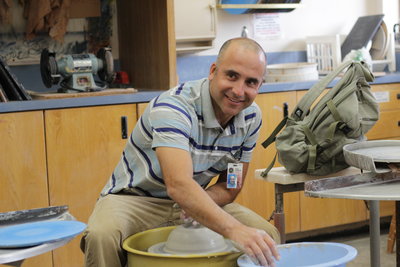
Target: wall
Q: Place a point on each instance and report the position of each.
(313, 17)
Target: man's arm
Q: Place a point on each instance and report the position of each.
(177, 170)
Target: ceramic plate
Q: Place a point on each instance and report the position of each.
(36, 233)
(379, 43)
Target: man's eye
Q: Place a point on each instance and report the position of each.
(252, 83)
(231, 75)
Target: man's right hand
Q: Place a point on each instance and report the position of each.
(257, 244)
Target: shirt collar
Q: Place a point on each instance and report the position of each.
(210, 121)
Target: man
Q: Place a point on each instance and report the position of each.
(185, 137)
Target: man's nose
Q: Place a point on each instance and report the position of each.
(239, 88)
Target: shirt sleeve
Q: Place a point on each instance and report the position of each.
(253, 125)
(170, 124)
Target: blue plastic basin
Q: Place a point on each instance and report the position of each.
(309, 254)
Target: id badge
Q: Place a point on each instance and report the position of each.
(234, 174)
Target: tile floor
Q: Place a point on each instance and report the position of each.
(360, 240)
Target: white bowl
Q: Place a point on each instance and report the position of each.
(184, 240)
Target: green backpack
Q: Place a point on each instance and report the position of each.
(312, 139)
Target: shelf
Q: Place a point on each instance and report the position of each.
(258, 6)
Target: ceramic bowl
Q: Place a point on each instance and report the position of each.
(185, 240)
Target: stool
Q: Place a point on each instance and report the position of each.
(286, 182)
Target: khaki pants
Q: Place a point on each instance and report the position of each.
(116, 217)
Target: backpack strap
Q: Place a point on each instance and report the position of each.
(270, 166)
(274, 133)
(302, 108)
(312, 148)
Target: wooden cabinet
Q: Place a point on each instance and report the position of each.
(388, 126)
(146, 38)
(256, 194)
(83, 147)
(23, 176)
(195, 24)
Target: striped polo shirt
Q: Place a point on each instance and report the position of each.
(183, 117)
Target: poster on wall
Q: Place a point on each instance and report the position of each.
(267, 26)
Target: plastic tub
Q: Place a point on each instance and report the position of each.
(309, 254)
(138, 244)
(291, 72)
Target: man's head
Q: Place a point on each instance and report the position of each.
(236, 77)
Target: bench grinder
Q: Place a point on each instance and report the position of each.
(77, 70)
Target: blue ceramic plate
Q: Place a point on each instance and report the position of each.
(36, 233)
(237, 10)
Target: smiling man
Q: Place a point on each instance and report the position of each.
(185, 137)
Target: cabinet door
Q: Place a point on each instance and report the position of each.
(319, 213)
(259, 195)
(388, 126)
(83, 147)
(23, 176)
(194, 24)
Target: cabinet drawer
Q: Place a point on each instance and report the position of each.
(388, 96)
(388, 125)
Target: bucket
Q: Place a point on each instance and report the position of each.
(291, 72)
(138, 244)
(309, 254)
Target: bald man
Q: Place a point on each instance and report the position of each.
(185, 137)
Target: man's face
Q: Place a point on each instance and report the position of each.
(234, 83)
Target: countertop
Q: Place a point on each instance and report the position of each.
(143, 96)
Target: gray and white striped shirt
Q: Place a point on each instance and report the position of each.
(183, 117)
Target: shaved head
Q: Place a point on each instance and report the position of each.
(245, 43)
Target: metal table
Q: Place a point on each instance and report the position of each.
(368, 186)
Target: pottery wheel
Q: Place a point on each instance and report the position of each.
(370, 155)
(159, 249)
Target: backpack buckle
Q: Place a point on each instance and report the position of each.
(298, 112)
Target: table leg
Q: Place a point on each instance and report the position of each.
(279, 215)
(397, 214)
(374, 233)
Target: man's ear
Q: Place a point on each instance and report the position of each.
(213, 69)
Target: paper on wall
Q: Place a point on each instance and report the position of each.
(267, 26)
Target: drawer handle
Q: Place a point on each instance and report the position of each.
(398, 96)
(124, 127)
